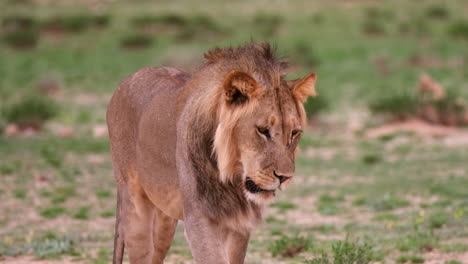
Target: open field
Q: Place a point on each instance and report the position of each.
(396, 198)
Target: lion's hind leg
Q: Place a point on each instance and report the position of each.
(136, 219)
(163, 233)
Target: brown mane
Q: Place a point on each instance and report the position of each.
(213, 152)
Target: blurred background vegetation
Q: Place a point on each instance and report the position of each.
(382, 173)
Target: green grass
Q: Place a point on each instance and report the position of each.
(344, 252)
(410, 259)
(52, 212)
(402, 194)
(290, 246)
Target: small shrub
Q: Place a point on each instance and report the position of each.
(438, 219)
(375, 13)
(267, 24)
(327, 204)
(418, 241)
(18, 22)
(50, 247)
(283, 206)
(200, 27)
(346, 252)
(136, 41)
(52, 156)
(72, 24)
(52, 212)
(82, 213)
(398, 105)
(107, 214)
(371, 158)
(290, 246)
(304, 54)
(459, 29)
(389, 202)
(437, 12)
(373, 27)
(315, 105)
(22, 39)
(20, 193)
(164, 19)
(100, 20)
(452, 261)
(409, 259)
(103, 193)
(30, 111)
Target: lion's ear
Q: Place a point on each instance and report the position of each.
(303, 88)
(239, 87)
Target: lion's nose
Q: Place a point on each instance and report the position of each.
(282, 176)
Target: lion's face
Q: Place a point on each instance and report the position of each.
(265, 135)
(267, 142)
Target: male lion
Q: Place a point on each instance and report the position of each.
(209, 149)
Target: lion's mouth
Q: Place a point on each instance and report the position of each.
(252, 187)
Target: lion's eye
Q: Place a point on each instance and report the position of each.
(263, 131)
(295, 133)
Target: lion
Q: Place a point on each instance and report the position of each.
(210, 149)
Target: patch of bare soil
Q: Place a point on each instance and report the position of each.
(416, 126)
(31, 259)
(435, 257)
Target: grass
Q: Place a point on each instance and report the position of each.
(401, 194)
(409, 259)
(344, 252)
(289, 246)
(23, 39)
(136, 41)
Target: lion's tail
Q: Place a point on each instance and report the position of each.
(118, 238)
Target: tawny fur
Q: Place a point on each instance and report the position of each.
(209, 149)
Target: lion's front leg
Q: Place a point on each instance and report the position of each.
(206, 240)
(236, 246)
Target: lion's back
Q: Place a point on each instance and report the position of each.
(129, 103)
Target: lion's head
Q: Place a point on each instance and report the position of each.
(260, 121)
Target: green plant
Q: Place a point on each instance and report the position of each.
(315, 105)
(20, 193)
(452, 261)
(103, 193)
(409, 259)
(82, 213)
(267, 24)
(136, 41)
(437, 12)
(54, 246)
(459, 29)
(75, 23)
(52, 156)
(287, 246)
(419, 240)
(438, 219)
(371, 158)
(21, 39)
(18, 22)
(304, 53)
(346, 252)
(30, 111)
(283, 206)
(373, 27)
(400, 105)
(164, 19)
(107, 214)
(100, 20)
(389, 202)
(52, 212)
